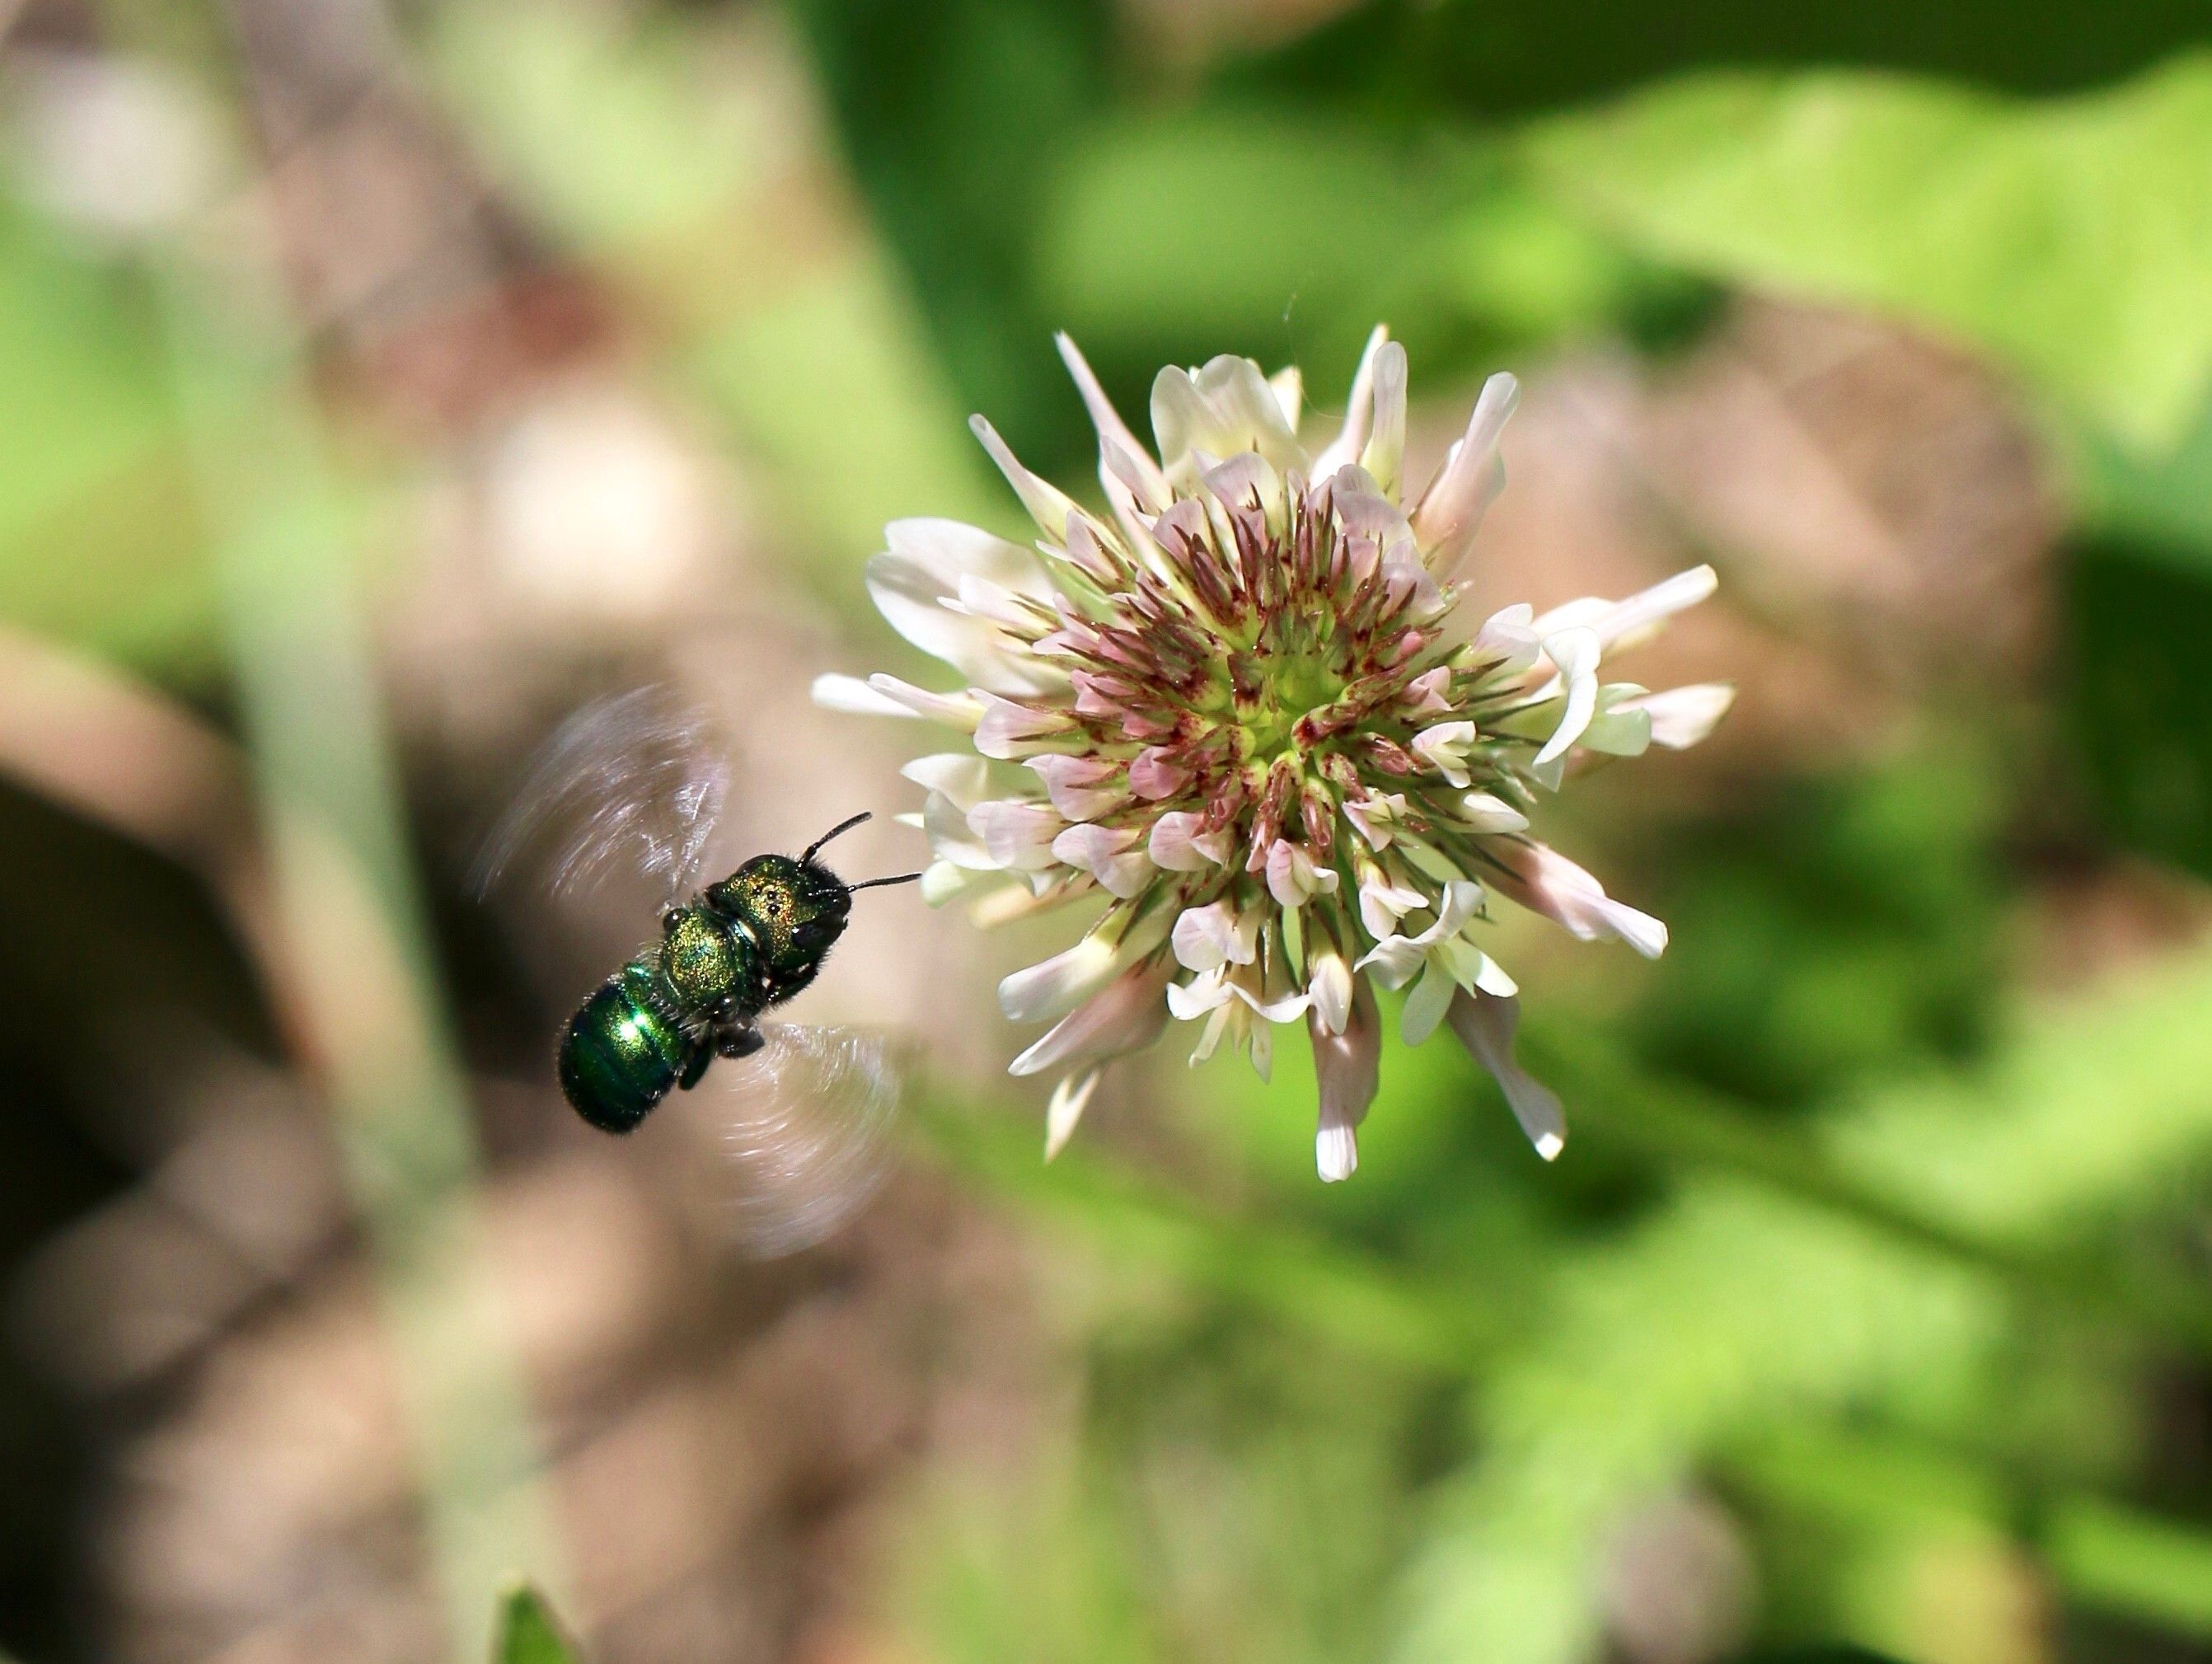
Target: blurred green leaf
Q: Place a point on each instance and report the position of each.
(98, 544)
(2138, 612)
(2085, 1108)
(1726, 1310)
(1732, 1308)
(1826, 928)
(1287, 235)
(1396, 60)
(2072, 238)
(955, 116)
(2142, 1568)
(527, 1632)
(1170, 240)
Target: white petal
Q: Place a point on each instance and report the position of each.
(1260, 1047)
(1206, 992)
(1018, 835)
(1248, 491)
(1544, 881)
(984, 600)
(1061, 983)
(960, 710)
(1247, 403)
(1508, 640)
(1293, 877)
(852, 694)
(1112, 430)
(1157, 773)
(1329, 988)
(1647, 608)
(1384, 453)
(941, 881)
(1183, 422)
(1424, 693)
(1074, 783)
(1180, 846)
(1452, 507)
(1206, 937)
(1375, 815)
(1485, 1026)
(1646, 934)
(1619, 728)
(1106, 855)
(1336, 1149)
(1048, 504)
(1359, 412)
(1485, 813)
(1280, 1009)
(1575, 652)
(963, 776)
(1069, 1100)
(1382, 903)
(1226, 408)
(1346, 1062)
(952, 839)
(1004, 729)
(1426, 1005)
(1125, 1016)
(950, 551)
(1681, 717)
(1289, 386)
(1394, 960)
(1443, 747)
(1462, 896)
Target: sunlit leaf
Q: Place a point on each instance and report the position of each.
(2071, 237)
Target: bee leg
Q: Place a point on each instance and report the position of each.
(740, 1042)
(694, 1069)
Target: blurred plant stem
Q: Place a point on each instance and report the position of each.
(351, 961)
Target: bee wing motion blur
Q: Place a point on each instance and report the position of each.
(636, 784)
(799, 1133)
(630, 786)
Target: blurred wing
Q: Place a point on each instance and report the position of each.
(802, 1133)
(634, 784)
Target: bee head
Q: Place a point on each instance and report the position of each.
(796, 909)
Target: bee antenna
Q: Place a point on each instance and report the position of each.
(841, 826)
(902, 878)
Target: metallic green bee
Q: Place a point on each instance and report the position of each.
(634, 786)
(745, 944)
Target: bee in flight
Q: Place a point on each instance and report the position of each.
(633, 788)
(738, 948)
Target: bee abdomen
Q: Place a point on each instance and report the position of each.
(620, 1054)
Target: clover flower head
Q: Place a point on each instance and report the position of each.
(1237, 708)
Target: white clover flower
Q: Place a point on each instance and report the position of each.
(1234, 710)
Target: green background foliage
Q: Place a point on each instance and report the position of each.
(1891, 1257)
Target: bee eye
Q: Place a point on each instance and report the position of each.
(669, 920)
